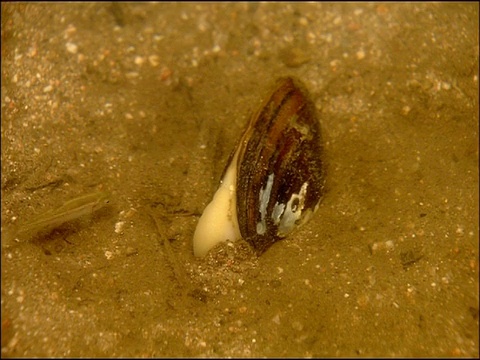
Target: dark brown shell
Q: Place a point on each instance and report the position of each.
(283, 138)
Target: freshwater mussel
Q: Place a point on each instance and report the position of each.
(274, 178)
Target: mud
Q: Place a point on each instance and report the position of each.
(146, 101)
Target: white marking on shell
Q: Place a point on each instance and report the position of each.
(264, 198)
(277, 213)
(287, 217)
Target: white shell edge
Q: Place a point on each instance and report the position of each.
(219, 222)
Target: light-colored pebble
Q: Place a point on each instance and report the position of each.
(71, 47)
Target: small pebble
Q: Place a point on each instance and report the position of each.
(139, 60)
(119, 226)
(154, 60)
(71, 47)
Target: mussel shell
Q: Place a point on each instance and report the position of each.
(280, 173)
